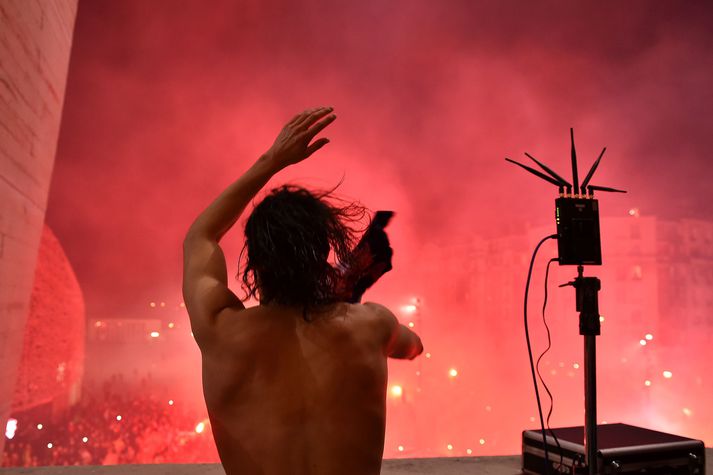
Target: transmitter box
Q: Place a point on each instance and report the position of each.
(578, 241)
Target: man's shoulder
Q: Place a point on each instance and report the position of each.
(380, 318)
(231, 326)
(379, 311)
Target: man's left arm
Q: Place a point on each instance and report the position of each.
(205, 277)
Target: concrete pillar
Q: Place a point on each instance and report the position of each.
(35, 40)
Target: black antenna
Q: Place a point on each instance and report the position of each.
(575, 179)
(553, 174)
(605, 188)
(592, 170)
(560, 182)
(535, 172)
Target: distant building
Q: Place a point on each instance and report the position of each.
(657, 274)
(52, 359)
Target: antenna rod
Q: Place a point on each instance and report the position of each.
(592, 170)
(575, 178)
(605, 188)
(552, 173)
(535, 172)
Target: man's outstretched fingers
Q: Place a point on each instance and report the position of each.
(295, 119)
(316, 146)
(306, 116)
(310, 119)
(320, 125)
(301, 116)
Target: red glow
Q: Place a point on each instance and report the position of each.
(160, 116)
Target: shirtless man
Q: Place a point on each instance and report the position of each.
(297, 384)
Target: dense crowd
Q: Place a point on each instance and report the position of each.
(114, 423)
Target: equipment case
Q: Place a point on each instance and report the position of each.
(621, 449)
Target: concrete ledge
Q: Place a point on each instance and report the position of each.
(438, 466)
(507, 465)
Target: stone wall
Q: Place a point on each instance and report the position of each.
(35, 41)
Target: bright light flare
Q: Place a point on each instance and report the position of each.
(118, 418)
(452, 372)
(200, 427)
(649, 336)
(50, 445)
(170, 402)
(449, 447)
(397, 391)
(647, 383)
(85, 439)
(481, 441)
(411, 324)
(171, 324)
(10, 428)
(687, 411)
(39, 426)
(155, 334)
(400, 448)
(468, 451)
(409, 309)
(667, 374)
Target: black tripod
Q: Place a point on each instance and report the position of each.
(578, 243)
(587, 289)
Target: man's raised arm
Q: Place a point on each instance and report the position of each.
(205, 277)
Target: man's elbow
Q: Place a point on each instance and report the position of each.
(191, 235)
(417, 349)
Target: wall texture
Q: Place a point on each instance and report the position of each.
(35, 41)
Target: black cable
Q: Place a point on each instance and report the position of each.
(537, 365)
(529, 350)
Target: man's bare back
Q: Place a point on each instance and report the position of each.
(289, 393)
(289, 396)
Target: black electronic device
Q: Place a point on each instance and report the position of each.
(381, 220)
(371, 258)
(578, 241)
(576, 211)
(622, 449)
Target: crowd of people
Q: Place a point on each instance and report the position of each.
(115, 422)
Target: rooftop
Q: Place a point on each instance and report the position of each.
(506, 465)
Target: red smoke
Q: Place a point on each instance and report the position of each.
(167, 103)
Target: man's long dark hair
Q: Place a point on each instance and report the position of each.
(288, 238)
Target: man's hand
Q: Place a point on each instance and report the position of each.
(292, 145)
